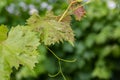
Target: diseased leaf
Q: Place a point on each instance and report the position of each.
(51, 31)
(19, 48)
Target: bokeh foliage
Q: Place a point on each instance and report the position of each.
(97, 44)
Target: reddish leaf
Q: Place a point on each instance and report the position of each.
(79, 12)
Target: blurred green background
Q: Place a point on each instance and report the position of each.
(97, 44)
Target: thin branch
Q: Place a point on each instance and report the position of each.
(68, 60)
(54, 75)
(66, 10)
(53, 53)
(61, 58)
(61, 71)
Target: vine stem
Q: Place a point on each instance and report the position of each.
(81, 5)
(61, 58)
(54, 74)
(61, 71)
(66, 10)
(53, 53)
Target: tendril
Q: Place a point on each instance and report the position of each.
(64, 60)
(54, 75)
(61, 71)
(60, 68)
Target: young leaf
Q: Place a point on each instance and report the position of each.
(79, 12)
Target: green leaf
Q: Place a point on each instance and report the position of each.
(51, 31)
(104, 35)
(38, 69)
(19, 48)
(5, 70)
(3, 32)
(2, 4)
(117, 32)
(101, 70)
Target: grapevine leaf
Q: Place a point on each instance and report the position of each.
(19, 48)
(51, 31)
(3, 32)
(5, 70)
